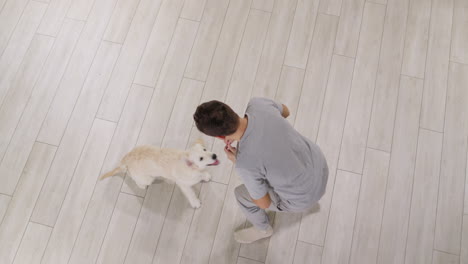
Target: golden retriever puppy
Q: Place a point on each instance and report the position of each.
(186, 168)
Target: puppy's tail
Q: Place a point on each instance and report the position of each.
(115, 171)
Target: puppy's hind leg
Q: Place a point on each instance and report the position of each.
(191, 196)
(140, 180)
(141, 185)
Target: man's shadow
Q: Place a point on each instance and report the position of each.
(293, 219)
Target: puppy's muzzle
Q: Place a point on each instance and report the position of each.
(216, 161)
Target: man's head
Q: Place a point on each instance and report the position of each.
(216, 119)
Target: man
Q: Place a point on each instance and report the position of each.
(281, 169)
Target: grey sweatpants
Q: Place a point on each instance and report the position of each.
(256, 215)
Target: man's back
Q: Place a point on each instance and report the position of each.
(272, 154)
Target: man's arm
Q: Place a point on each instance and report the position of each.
(285, 112)
(263, 202)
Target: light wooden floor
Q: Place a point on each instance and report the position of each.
(381, 86)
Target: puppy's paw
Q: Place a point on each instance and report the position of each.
(206, 177)
(195, 203)
(141, 186)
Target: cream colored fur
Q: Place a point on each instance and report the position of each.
(186, 168)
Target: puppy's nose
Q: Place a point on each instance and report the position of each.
(214, 156)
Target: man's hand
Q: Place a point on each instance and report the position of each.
(231, 152)
(285, 112)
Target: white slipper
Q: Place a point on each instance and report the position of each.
(252, 234)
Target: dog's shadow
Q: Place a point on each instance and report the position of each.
(161, 196)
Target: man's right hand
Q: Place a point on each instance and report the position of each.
(231, 152)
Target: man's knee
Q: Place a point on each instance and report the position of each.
(242, 196)
(240, 191)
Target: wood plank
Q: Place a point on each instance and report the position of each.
(459, 32)
(338, 242)
(2, 3)
(370, 208)
(152, 238)
(102, 203)
(19, 46)
(358, 116)
(120, 230)
(33, 245)
(265, 5)
(165, 95)
(289, 90)
(452, 175)
(388, 76)
(174, 233)
(166, 91)
(54, 17)
(241, 260)
(225, 248)
(465, 209)
(382, 2)
(193, 9)
(28, 127)
(227, 49)
(204, 224)
(79, 193)
(204, 47)
(283, 242)
(316, 76)
(437, 65)
(76, 73)
(79, 9)
(22, 203)
(420, 241)
(21, 87)
(347, 37)
(242, 80)
(159, 42)
(444, 258)
(248, 59)
(149, 225)
(401, 173)
(307, 253)
(301, 34)
(274, 49)
(416, 40)
(313, 226)
(185, 105)
(71, 145)
(120, 22)
(9, 17)
(257, 250)
(464, 242)
(129, 59)
(330, 7)
(4, 202)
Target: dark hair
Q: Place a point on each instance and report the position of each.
(216, 118)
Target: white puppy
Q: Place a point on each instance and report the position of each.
(186, 168)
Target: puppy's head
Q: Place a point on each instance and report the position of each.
(201, 157)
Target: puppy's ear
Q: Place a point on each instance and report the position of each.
(200, 141)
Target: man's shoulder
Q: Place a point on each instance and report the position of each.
(248, 158)
(260, 106)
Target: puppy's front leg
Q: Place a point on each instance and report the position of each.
(191, 196)
(206, 176)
